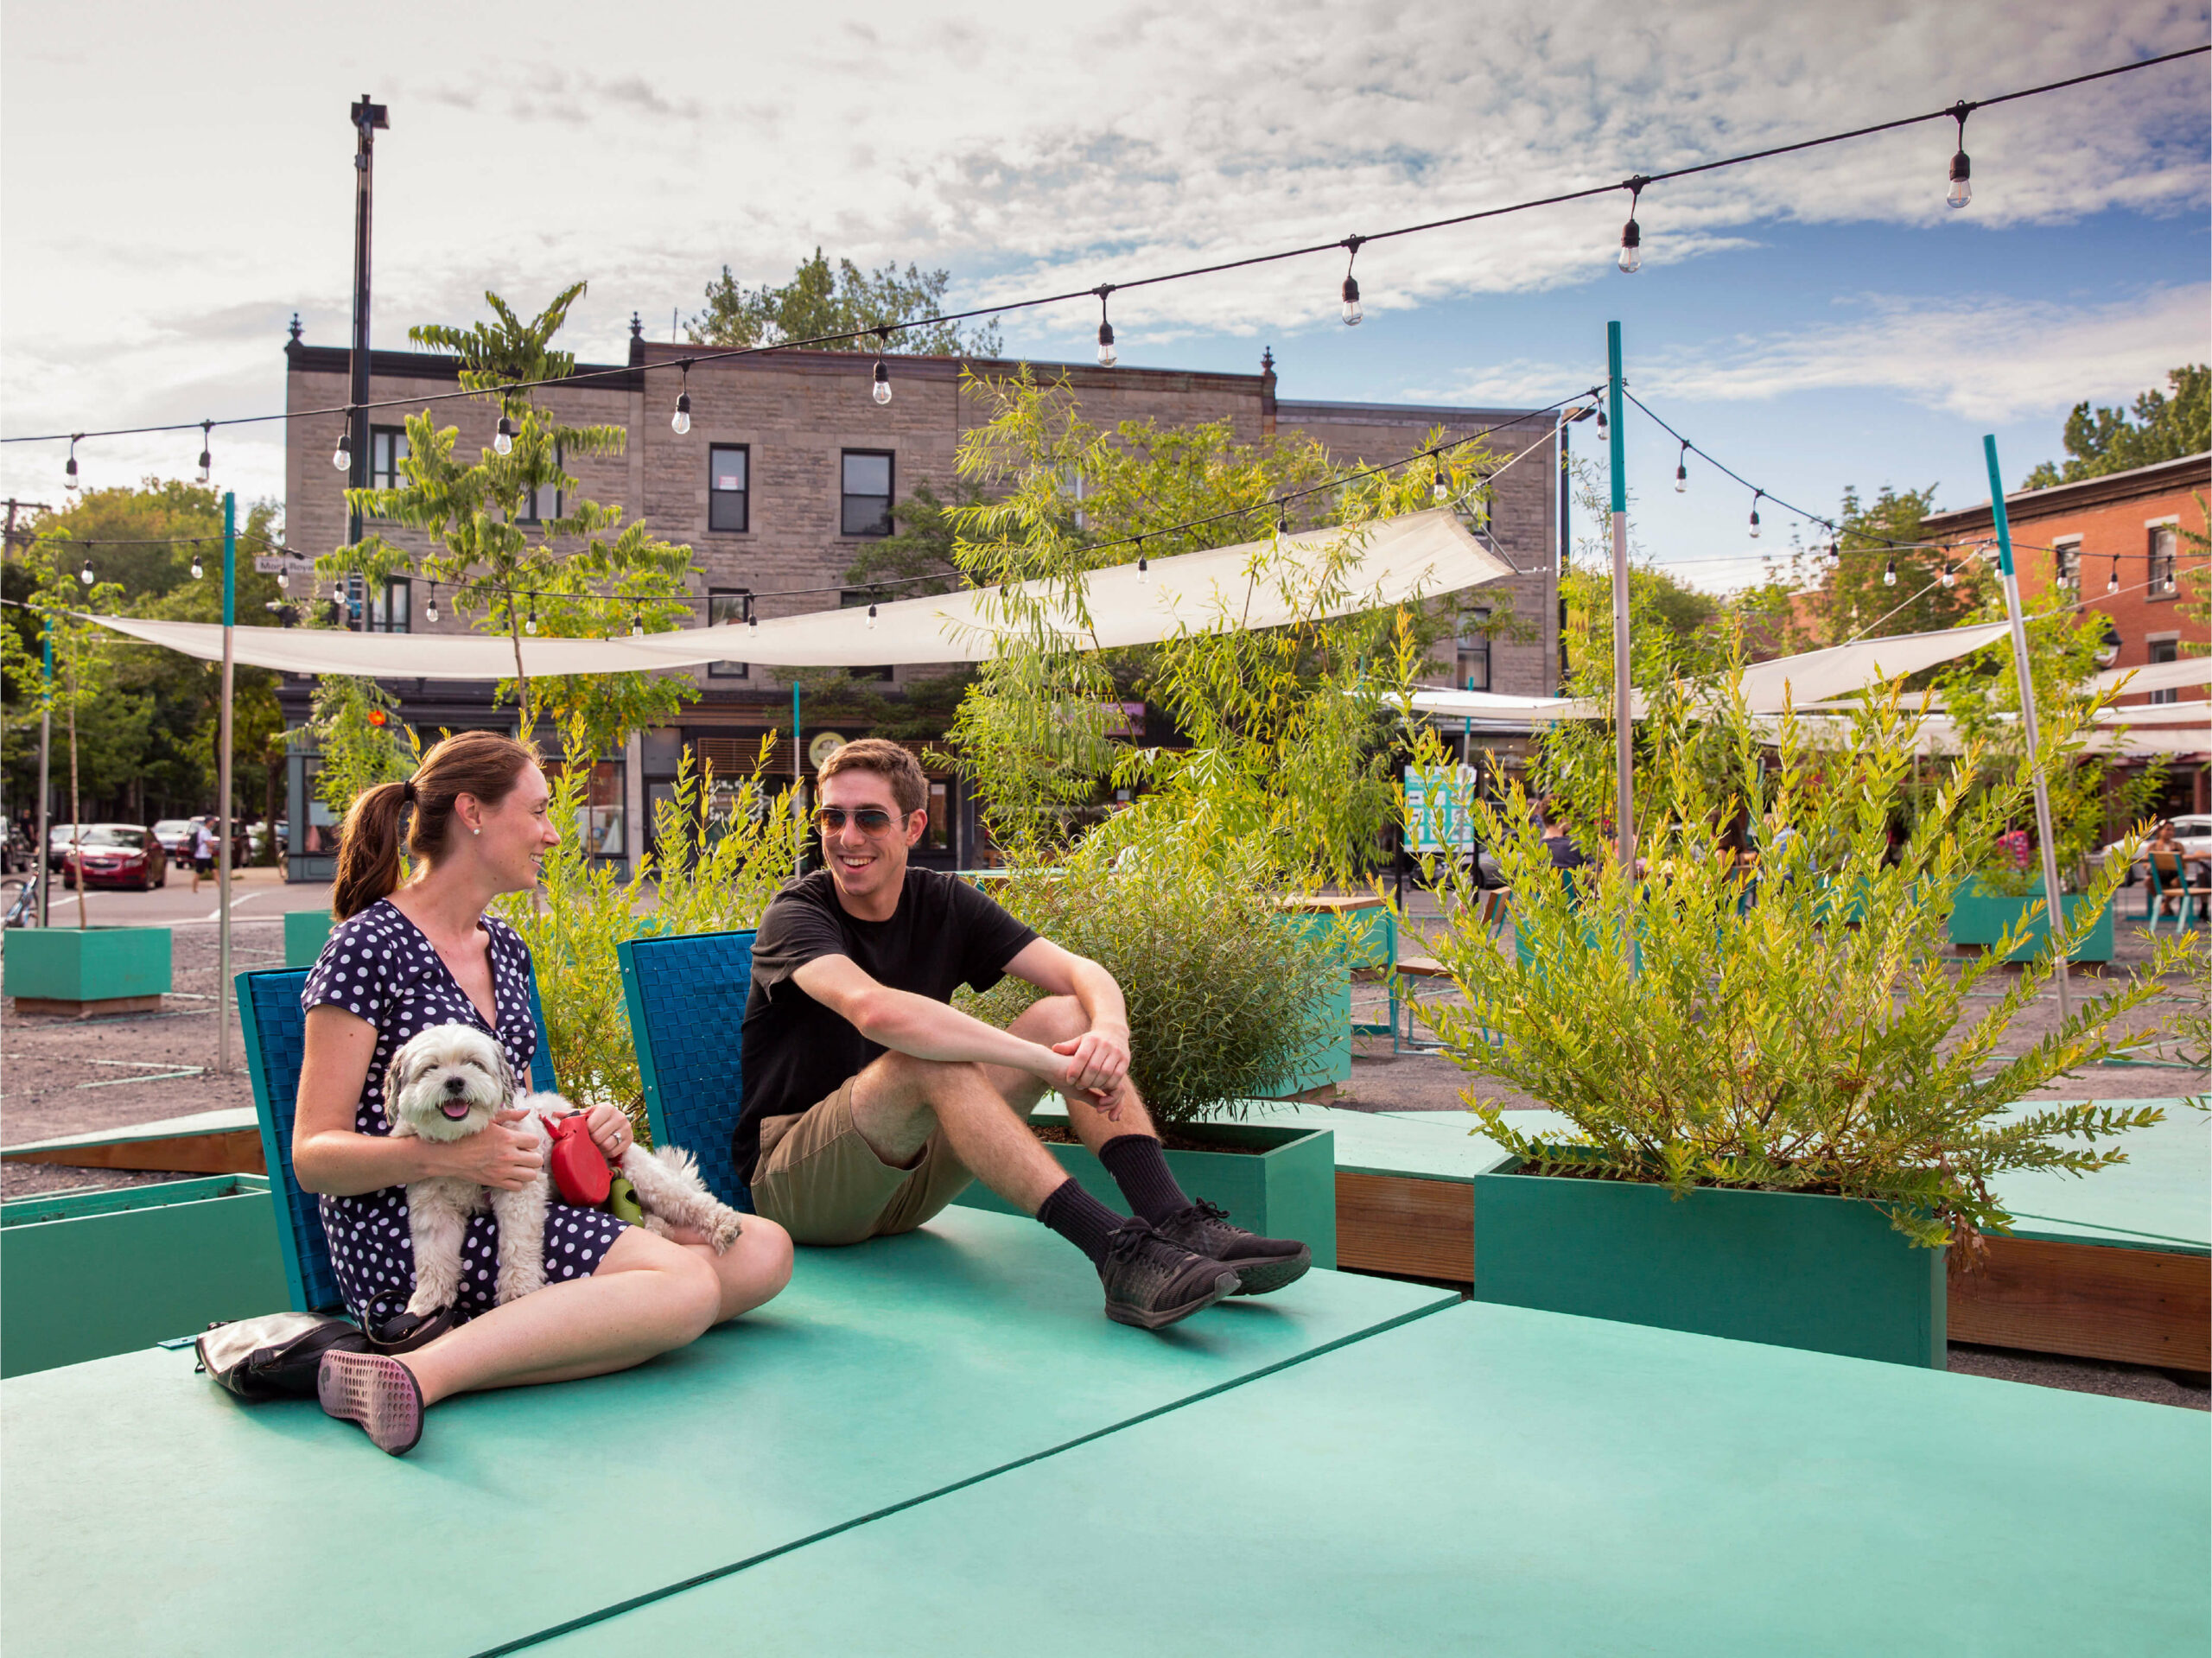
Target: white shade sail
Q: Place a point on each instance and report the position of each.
(2158, 677)
(1253, 585)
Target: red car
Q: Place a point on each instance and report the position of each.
(116, 854)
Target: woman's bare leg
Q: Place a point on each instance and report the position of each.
(648, 1296)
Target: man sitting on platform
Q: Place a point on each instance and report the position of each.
(870, 1101)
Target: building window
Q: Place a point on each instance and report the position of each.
(2067, 561)
(542, 501)
(729, 486)
(394, 611)
(387, 449)
(2164, 542)
(2166, 651)
(724, 606)
(866, 509)
(1471, 669)
(848, 599)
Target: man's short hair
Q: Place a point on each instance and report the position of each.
(909, 788)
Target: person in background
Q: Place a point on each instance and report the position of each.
(203, 849)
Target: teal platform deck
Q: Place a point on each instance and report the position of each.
(1500, 1481)
(145, 1511)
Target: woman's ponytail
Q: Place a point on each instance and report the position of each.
(481, 764)
(368, 849)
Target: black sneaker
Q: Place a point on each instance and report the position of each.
(1152, 1282)
(1261, 1264)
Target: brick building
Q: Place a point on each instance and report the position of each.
(2118, 546)
(786, 473)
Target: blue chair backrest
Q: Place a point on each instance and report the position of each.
(276, 1031)
(686, 997)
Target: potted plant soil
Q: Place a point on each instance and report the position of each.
(1786, 1104)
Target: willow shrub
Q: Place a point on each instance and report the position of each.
(723, 855)
(1808, 1034)
(1226, 993)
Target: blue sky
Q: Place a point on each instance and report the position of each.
(176, 190)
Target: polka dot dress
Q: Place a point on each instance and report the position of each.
(379, 966)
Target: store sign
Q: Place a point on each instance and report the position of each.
(1439, 808)
(825, 745)
(277, 564)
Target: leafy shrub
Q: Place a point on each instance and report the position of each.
(1226, 993)
(1699, 1027)
(724, 852)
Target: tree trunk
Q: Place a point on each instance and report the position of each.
(525, 719)
(76, 809)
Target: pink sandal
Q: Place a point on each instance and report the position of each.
(379, 1392)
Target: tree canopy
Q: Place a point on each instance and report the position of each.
(819, 300)
(2163, 428)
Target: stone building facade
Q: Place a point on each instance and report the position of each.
(778, 486)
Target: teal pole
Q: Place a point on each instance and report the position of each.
(798, 789)
(2054, 910)
(45, 757)
(1624, 728)
(223, 790)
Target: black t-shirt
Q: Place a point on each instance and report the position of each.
(1565, 855)
(943, 934)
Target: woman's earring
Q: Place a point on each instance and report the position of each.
(476, 831)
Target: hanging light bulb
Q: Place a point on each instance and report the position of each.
(1601, 417)
(1144, 565)
(206, 468)
(1441, 491)
(69, 471)
(284, 570)
(1631, 260)
(2112, 581)
(871, 613)
(882, 392)
(431, 609)
(752, 621)
(1961, 191)
(638, 622)
(1682, 469)
(1833, 551)
(1107, 357)
(342, 456)
(86, 574)
(1351, 312)
(198, 570)
(503, 440)
(1950, 577)
(1756, 494)
(680, 422)
(530, 625)
(1890, 572)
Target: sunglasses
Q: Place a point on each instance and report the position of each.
(869, 820)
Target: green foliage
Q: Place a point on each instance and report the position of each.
(576, 574)
(1225, 993)
(1811, 1035)
(723, 851)
(2163, 428)
(355, 726)
(1855, 595)
(1284, 726)
(818, 301)
(919, 556)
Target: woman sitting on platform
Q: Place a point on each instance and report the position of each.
(401, 960)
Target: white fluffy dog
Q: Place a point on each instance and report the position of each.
(445, 1085)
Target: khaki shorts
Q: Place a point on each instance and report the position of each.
(821, 1183)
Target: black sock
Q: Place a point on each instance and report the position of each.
(1139, 1168)
(1080, 1218)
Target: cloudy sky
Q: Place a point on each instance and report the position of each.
(178, 183)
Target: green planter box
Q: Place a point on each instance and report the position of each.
(1285, 1187)
(89, 1275)
(305, 932)
(87, 964)
(1981, 917)
(1331, 1063)
(1784, 1268)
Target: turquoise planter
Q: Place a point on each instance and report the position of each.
(87, 964)
(1330, 1063)
(1784, 1268)
(1982, 916)
(85, 1275)
(305, 933)
(1284, 1187)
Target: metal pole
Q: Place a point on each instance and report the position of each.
(223, 791)
(798, 791)
(2053, 909)
(367, 118)
(1567, 419)
(45, 756)
(1623, 730)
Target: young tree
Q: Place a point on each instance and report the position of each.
(1879, 540)
(818, 301)
(2163, 428)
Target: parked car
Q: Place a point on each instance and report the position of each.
(117, 855)
(2192, 830)
(57, 845)
(175, 835)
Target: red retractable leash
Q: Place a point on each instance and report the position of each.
(579, 1167)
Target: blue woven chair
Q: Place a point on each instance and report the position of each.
(276, 1031)
(686, 997)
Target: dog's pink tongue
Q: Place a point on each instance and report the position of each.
(456, 1109)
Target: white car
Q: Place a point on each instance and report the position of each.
(2192, 830)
